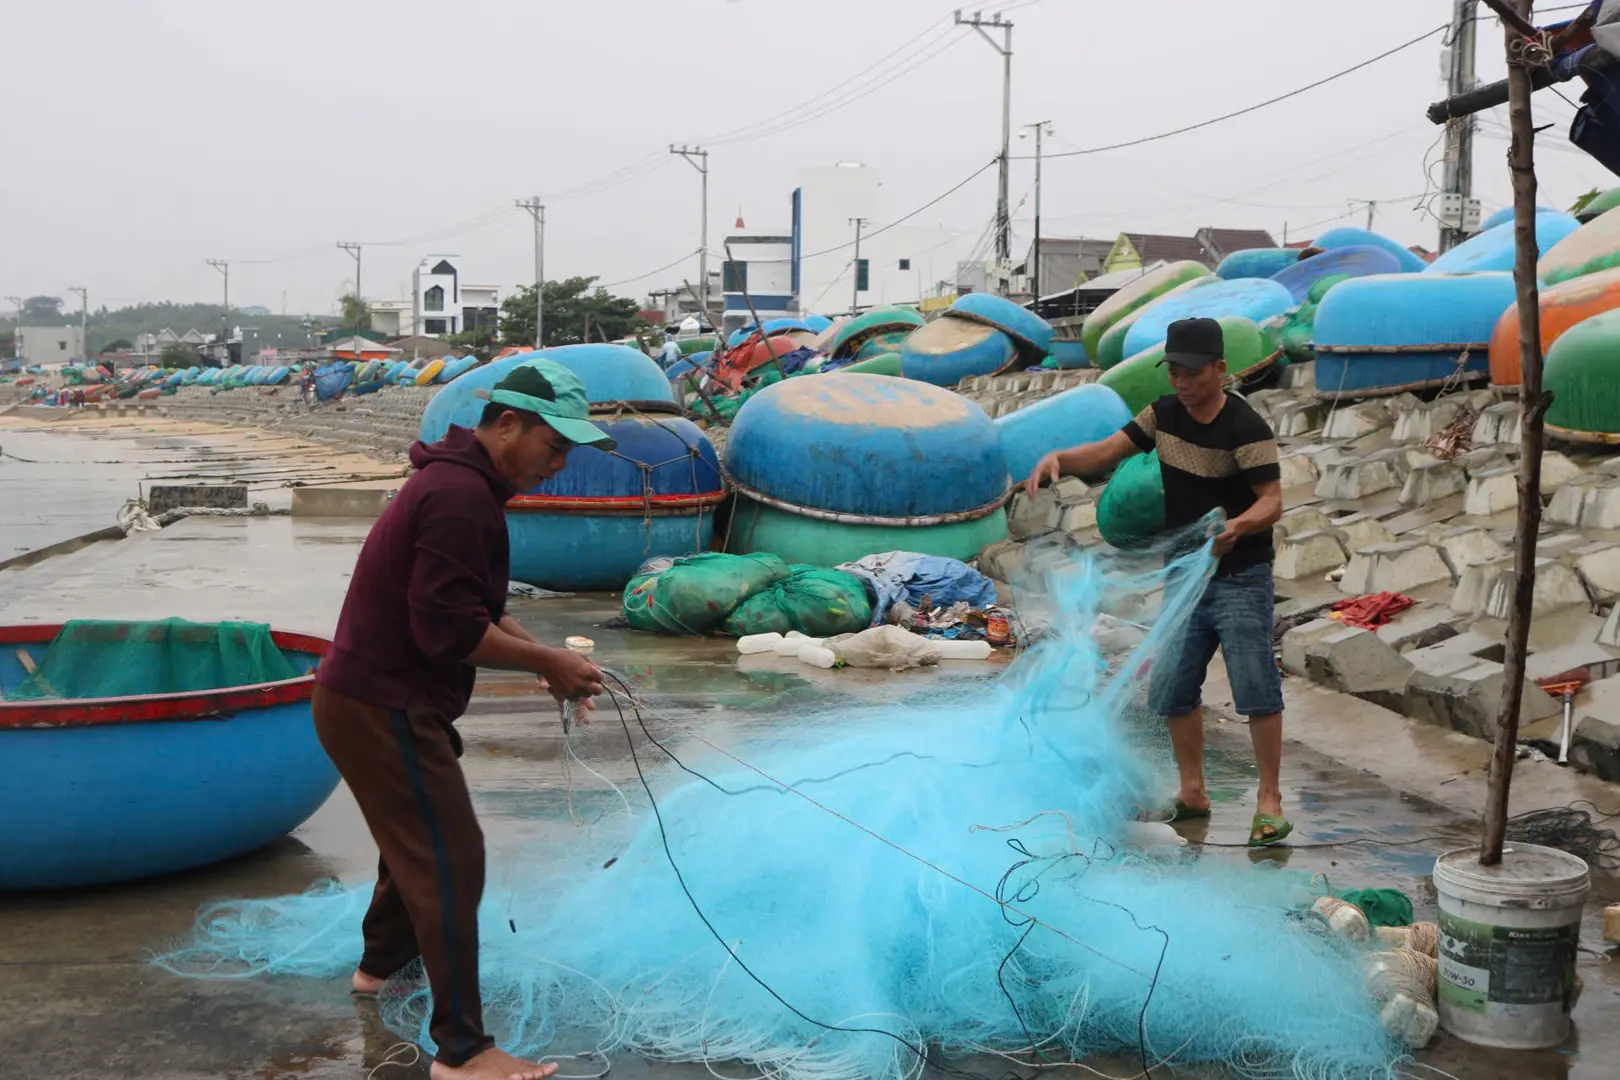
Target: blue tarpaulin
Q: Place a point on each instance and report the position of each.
(909, 576)
(332, 379)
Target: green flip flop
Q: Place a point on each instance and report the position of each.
(1180, 811)
(1280, 828)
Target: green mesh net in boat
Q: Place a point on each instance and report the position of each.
(95, 659)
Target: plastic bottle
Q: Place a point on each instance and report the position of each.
(961, 650)
(790, 645)
(758, 643)
(818, 656)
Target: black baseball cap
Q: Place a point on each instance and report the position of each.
(1193, 343)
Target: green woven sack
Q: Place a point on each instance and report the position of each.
(814, 601)
(695, 594)
(1130, 511)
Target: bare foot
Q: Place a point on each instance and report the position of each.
(493, 1064)
(367, 985)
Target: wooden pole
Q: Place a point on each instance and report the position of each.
(1521, 162)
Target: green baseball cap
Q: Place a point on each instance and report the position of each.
(553, 392)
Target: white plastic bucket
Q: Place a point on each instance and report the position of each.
(1508, 939)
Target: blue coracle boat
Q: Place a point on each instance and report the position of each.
(99, 790)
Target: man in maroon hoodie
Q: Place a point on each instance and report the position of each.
(426, 607)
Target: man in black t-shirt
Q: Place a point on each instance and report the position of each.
(1215, 453)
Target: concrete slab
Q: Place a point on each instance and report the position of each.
(1431, 482)
(1419, 627)
(161, 498)
(1560, 545)
(1422, 517)
(1595, 747)
(1482, 460)
(1491, 491)
(1298, 470)
(1362, 418)
(1357, 479)
(339, 502)
(1358, 532)
(1556, 471)
(1296, 418)
(1072, 491)
(1308, 554)
(1028, 517)
(1302, 519)
(1428, 418)
(1078, 518)
(1355, 661)
(1568, 504)
(1465, 694)
(1464, 546)
(1599, 567)
(1399, 567)
(1486, 589)
(1498, 424)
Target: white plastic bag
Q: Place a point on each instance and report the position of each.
(884, 647)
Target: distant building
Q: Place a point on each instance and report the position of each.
(1132, 251)
(758, 278)
(675, 305)
(440, 304)
(50, 344)
(1065, 261)
(898, 263)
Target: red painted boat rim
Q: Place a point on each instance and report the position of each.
(150, 708)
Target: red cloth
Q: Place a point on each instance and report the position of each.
(1371, 612)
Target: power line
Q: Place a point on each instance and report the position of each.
(1252, 108)
(649, 273)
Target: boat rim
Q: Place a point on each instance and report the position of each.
(147, 708)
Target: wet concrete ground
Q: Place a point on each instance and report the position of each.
(79, 999)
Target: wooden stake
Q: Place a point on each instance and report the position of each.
(1521, 162)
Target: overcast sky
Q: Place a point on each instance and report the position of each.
(147, 136)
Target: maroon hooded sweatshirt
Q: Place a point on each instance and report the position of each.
(431, 578)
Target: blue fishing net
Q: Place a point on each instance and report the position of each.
(863, 892)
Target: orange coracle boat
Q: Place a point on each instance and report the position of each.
(1562, 306)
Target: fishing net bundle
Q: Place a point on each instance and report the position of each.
(886, 886)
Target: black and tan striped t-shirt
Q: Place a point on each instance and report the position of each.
(1211, 465)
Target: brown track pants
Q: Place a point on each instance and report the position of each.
(402, 768)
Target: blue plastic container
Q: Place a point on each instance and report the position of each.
(1386, 334)
(1068, 353)
(113, 789)
(867, 444)
(1256, 299)
(1256, 263)
(950, 349)
(1351, 237)
(1356, 261)
(1493, 249)
(1081, 415)
(1031, 333)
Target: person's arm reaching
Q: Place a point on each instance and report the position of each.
(568, 674)
(1266, 512)
(1087, 460)
(515, 628)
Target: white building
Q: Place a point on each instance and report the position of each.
(761, 270)
(50, 344)
(440, 303)
(897, 266)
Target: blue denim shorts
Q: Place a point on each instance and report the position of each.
(1237, 614)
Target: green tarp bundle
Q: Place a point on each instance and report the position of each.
(695, 594)
(95, 659)
(813, 600)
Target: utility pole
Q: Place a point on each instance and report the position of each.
(225, 317)
(699, 159)
(1041, 127)
(1459, 171)
(1523, 53)
(1372, 210)
(84, 318)
(979, 22)
(16, 338)
(537, 211)
(359, 304)
(855, 292)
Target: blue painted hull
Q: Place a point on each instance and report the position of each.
(1068, 353)
(1029, 330)
(117, 801)
(984, 357)
(867, 444)
(597, 552)
(1492, 250)
(1084, 414)
(1379, 374)
(1256, 263)
(1256, 299)
(1352, 237)
(609, 372)
(1363, 261)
